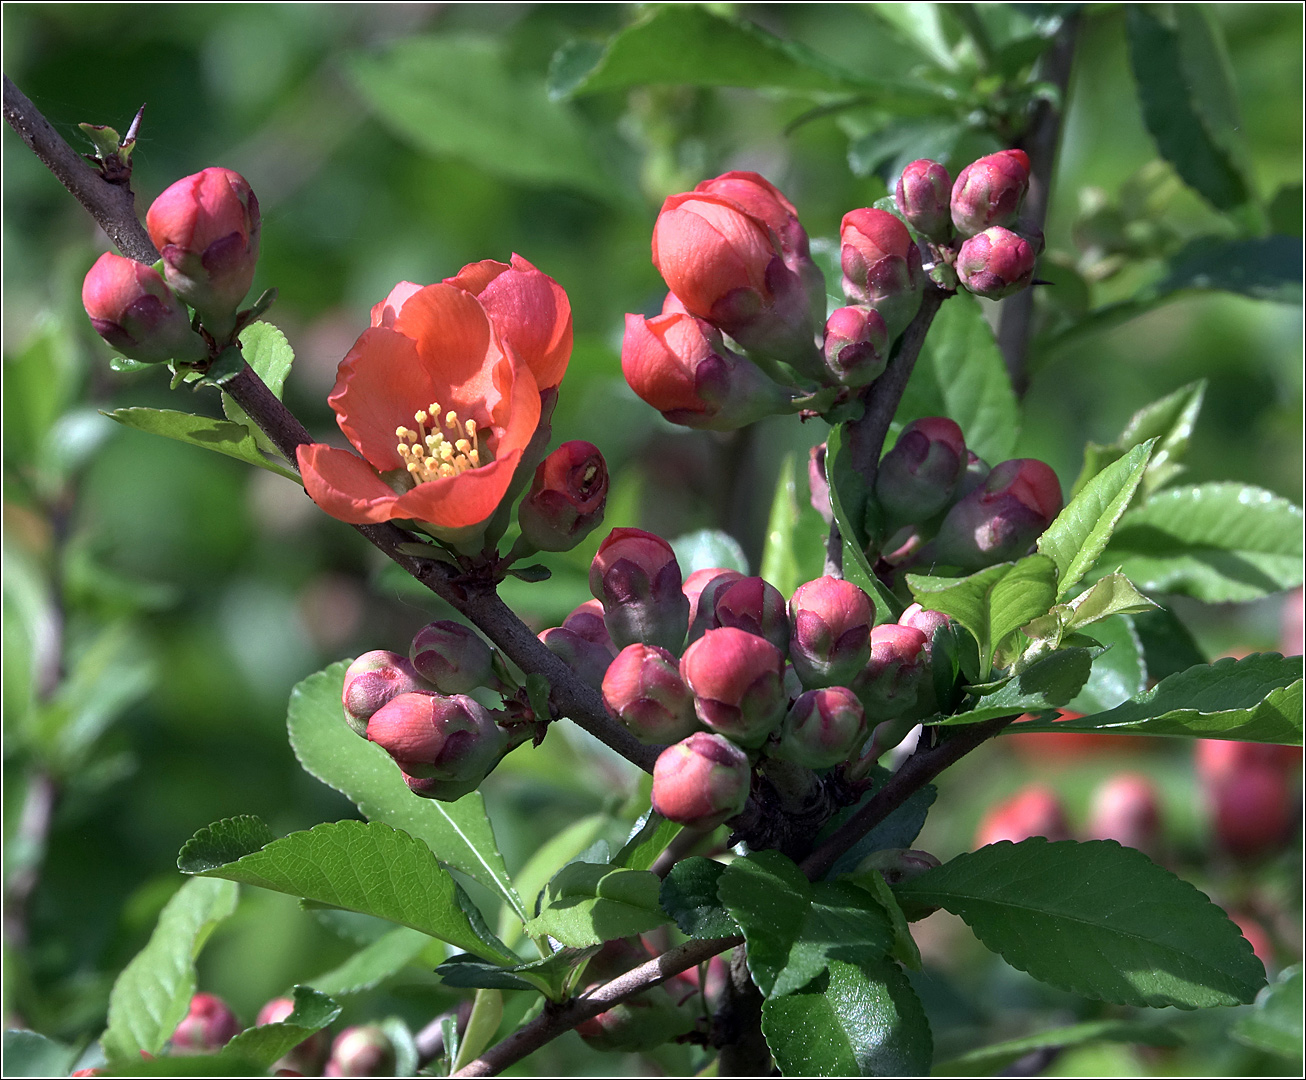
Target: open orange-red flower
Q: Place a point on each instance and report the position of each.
(441, 397)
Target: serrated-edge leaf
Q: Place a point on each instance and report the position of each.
(1080, 533)
(265, 1043)
(1096, 919)
(689, 896)
(548, 859)
(233, 440)
(649, 838)
(589, 903)
(1275, 1021)
(1046, 684)
(1025, 592)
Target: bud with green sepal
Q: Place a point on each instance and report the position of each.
(637, 579)
(701, 781)
(645, 691)
(919, 476)
(375, 679)
(821, 729)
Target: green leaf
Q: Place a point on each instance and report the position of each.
(373, 963)
(904, 945)
(355, 865)
(1081, 531)
(1048, 683)
(1168, 645)
(649, 838)
(921, 27)
(1119, 674)
(1274, 1024)
(487, 1012)
(960, 374)
(1024, 593)
(1169, 420)
(589, 903)
(689, 896)
(1182, 130)
(556, 852)
(1261, 267)
(794, 928)
(988, 1060)
(1217, 542)
(794, 550)
(1255, 699)
(1096, 919)
(548, 974)
(459, 96)
(28, 1054)
(153, 992)
(459, 833)
(848, 503)
(707, 549)
(267, 351)
(264, 1044)
(860, 1019)
(234, 440)
(898, 830)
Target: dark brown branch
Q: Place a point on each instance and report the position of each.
(555, 1021)
(113, 206)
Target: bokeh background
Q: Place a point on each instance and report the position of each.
(160, 602)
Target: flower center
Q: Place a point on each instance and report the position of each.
(429, 453)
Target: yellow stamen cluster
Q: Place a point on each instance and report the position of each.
(429, 453)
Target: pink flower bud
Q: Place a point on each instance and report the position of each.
(587, 621)
(701, 781)
(566, 499)
(895, 680)
(702, 588)
(636, 577)
(206, 228)
(830, 639)
(995, 263)
(308, 1057)
(989, 191)
(209, 1024)
(818, 486)
(822, 728)
(756, 606)
(361, 1051)
(1126, 809)
(924, 620)
(588, 659)
(1253, 809)
(856, 345)
(374, 679)
(1292, 625)
(1034, 811)
(1000, 519)
(644, 690)
(452, 657)
(451, 740)
(881, 266)
(1218, 759)
(923, 194)
(918, 477)
(764, 202)
(133, 309)
(737, 679)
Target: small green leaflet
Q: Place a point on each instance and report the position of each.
(234, 440)
(264, 1044)
(589, 903)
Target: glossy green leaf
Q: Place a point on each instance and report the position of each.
(1096, 919)
(794, 549)
(1080, 533)
(1026, 591)
(1255, 699)
(649, 838)
(264, 1044)
(234, 440)
(27, 1053)
(547, 974)
(359, 866)
(373, 963)
(555, 853)
(459, 833)
(1168, 646)
(151, 995)
(267, 351)
(459, 96)
(1048, 683)
(589, 903)
(706, 549)
(1119, 674)
(1217, 542)
(898, 830)
(794, 928)
(988, 1060)
(689, 896)
(859, 1019)
(960, 374)
(1275, 1022)
(904, 948)
(921, 27)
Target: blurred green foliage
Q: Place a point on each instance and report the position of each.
(160, 602)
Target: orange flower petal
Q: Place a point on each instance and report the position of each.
(345, 486)
(456, 502)
(454, 339)
(381, 383)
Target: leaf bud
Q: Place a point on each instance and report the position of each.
(452, 742)
(132, 308)
(821, 729)
(566, 499)
(452, 657)
(756, 606)
(995, 263)
(737, 680)
(644, 690)
(701, 781)
(830, 638)
(375, 678)
(923, 197)
(881, 266)
(362, 1051)
(989, 191)
(636, 577)
(209, 1024)
(856, 345)
(1002, 517)
(917, 478)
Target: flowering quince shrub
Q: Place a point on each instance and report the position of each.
(791, 728)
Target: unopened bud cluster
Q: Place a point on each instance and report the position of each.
(743, 333)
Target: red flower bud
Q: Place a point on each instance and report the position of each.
(374, 679)
(755, 606)
(1126, 808)
(918, 477)
(895, 681)
(924, 620)
(881, 266)
(586, 658)
(681, 367)
(1253, 809)
(453, 741)
(764, 202)
(701, 781)
(644, 690)
(701, 589)
(1034, 811)
(707, 249)
(566, 499)
(452, 657)
(209, 1024)
(856, 345)
(922, 195)
(989, 191)
(361, 1051)
(1218, 759)
(637, 578)
(822, 728)
(1001, 518)
(133, 309)
(830, 640)
(206, 228)
(308, 1057)
(996, 263)
(737, 679)
(587, 621)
